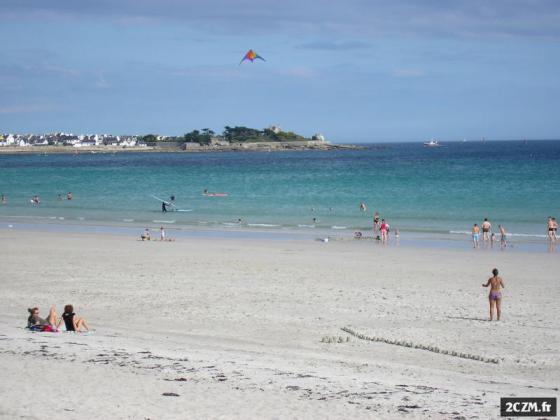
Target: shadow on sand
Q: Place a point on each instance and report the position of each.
(468, 318)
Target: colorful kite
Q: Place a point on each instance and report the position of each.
(251, 56)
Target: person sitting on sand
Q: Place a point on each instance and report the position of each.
(495, 297)
(145, 235)
(36, 323)
(71, 321)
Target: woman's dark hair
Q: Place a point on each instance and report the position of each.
(68, 309)
(31, 310)
(495, 271)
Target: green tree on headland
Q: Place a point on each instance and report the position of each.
(149, 138)
(237, 134)
(196, 136)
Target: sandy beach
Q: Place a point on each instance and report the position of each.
(232, 328)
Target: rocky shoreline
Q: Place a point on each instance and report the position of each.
(244, 147)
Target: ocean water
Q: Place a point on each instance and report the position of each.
(418, 190)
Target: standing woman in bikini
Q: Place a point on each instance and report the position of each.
(495, 297)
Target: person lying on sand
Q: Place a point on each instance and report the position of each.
(36, 323)
(495, 297)
(71, 321)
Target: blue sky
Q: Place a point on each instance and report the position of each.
(355, 70)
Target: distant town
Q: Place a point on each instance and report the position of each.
(232, 138)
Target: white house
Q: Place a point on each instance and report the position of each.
(275, 129)
(128, 142)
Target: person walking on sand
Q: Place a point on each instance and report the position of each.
(495, 297)
(486, 227)
(475, 235)
(503, 236)
(71, 321)
(161, 234)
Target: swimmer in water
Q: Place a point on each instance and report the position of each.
(363, 206)
(163, 207)
(3, 199)
(69, 196)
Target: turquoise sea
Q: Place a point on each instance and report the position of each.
(419, 190)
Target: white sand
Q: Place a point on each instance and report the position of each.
(242, 323)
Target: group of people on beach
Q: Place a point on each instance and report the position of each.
(381, 228)
(52, 323)
(490, 237)
(487, 235)
(146, 235)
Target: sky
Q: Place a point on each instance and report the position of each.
(353, 70)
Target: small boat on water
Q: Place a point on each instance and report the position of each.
(432, 143)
